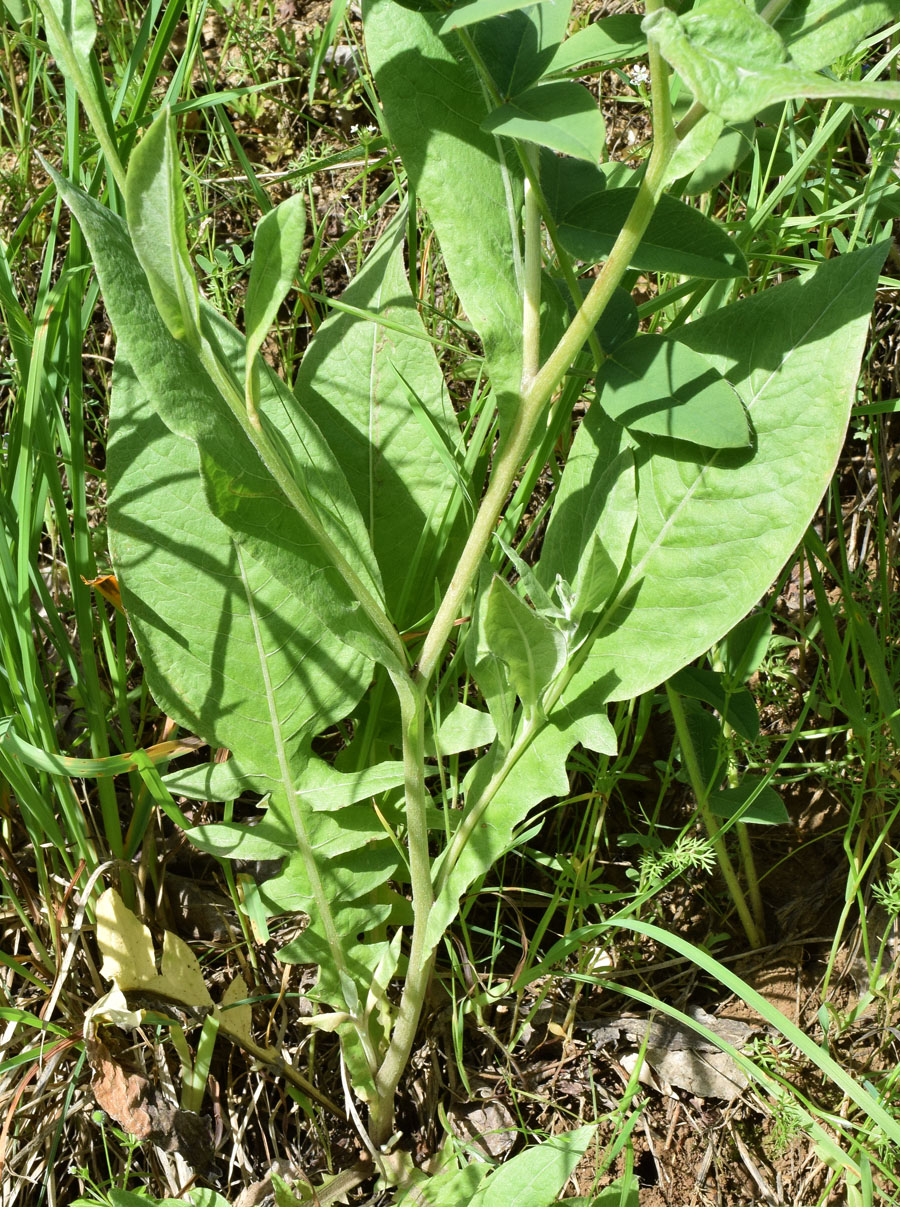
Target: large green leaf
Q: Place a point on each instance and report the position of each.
(516, 47)
(678, 238)
(154, 206)
(215, 630)
(239, 487)
(356, 382)
(536, 1176)
(662, 387)
(736, 64)
(232, 654)
(434, 106)
(819, 32)
(562, 115)
(607, 40)
(714, 529)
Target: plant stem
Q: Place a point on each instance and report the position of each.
(421, 962)
(531, 302)
(726, 867)
(251, 423)
(534, 400)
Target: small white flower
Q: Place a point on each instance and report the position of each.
(639, 74)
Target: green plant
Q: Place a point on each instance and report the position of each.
(290, 558)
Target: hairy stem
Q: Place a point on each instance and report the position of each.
(421, 962)
(535, 399)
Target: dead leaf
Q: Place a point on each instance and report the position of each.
(129, 961)
(130, 1099)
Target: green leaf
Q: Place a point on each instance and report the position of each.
(605, 501)
(766, 807)
(517, 785)
(819, 32)
(714, 528)
(487, 669)
(609, 39)
(434, 106)
(661, 387)
(744, 648)
(709, 153)
(154, 206)
(560, 115)
(355, 383)
(79, 26)
(737, 708)
(535, 1177)
(277, 245)
(480, 10)
(736, 64)
(214, 629)
(678, 239)
(516, 47)
(532, 648)
(463, 728)
(238, 486)
(624, 1192)
(211, 781)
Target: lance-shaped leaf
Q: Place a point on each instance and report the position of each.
(574, 549)
(487, 668)
(736, 64)
(713, 529)
(378, 396)
(434, 106)
(474, 11)
(662, 387)
(277, 245)
(515, 48)
(154, 205)
(678, 238)
(79, 27)
(532, 648)
(239, 487)
(819, 32)
(609, 39)
(562, 115)
(512, 788)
